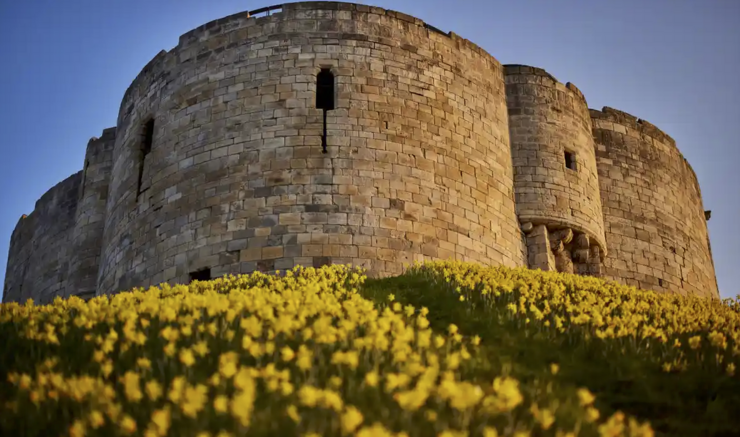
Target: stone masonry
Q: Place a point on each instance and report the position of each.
(434, 151)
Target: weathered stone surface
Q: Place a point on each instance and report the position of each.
(420, 166)
(40, 246)
(655, 224)
(539, 253)
(547, 120)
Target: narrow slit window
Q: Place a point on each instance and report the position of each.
(147, 138)
(324, 97)
(201, 275)
(146, 146)
(570, 160)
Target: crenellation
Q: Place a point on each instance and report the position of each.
(434, 151)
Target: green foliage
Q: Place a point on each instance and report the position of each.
(699, 397)
(448, 349)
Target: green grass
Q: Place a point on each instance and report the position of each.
(695, 402)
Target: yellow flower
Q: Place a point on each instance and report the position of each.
(227, 364)
(371, 379)
(241, 405)
(144, 363)
(77, 429)
(201, 348)
(221, 404)
(309, 396)
(161, 421)
(507, 395)
(287, 353)
(335, 382)
(132, 387)
(153, 390)
(554, 368)
(170, 349)
(585, 397)
(293, 413)
(730, 369)
(351, 419)
(376, 430)
(592, 414)
(695, 342)
(186, 357)
(128, 425)
(490, 432)
(439, 341)
(96, 419)
(391, 297)
(194, 400)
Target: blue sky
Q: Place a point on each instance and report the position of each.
(66, 65)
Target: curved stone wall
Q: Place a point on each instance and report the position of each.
(547, 121)
(19, 257)
(86, 236)
(39, 247)
(656, 230)
(434, 151)
(419, 164)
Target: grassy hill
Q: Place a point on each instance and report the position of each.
(448, 349)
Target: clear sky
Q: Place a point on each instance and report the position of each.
(64, 66)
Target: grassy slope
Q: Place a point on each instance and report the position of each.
(687, 403)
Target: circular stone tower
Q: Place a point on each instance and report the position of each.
(555, 176)
(656, 228)
(218, 165)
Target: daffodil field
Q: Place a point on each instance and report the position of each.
(447, 349)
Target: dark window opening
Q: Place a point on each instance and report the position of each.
(147, 138)
(324, 97)
(201, 275)
(570, 160)
(660, 282)
(148, 135)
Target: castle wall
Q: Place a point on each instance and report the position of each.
(87, 234)
(39, 248)
(419, 164)
(435, 151)
(19, 257)
(547, 120)
(656, 230)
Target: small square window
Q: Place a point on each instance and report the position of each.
(570, 160)
(201, 275)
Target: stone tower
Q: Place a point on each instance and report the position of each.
(434, 150)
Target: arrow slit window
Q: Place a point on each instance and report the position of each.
(324, 97)
(570, 160)
(147, 138)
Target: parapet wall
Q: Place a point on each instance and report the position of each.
(418, 164)
(656, 230)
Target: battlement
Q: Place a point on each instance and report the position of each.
(628, 120)
(526, 70)
(608, 117)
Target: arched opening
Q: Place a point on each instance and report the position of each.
(324, 97)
